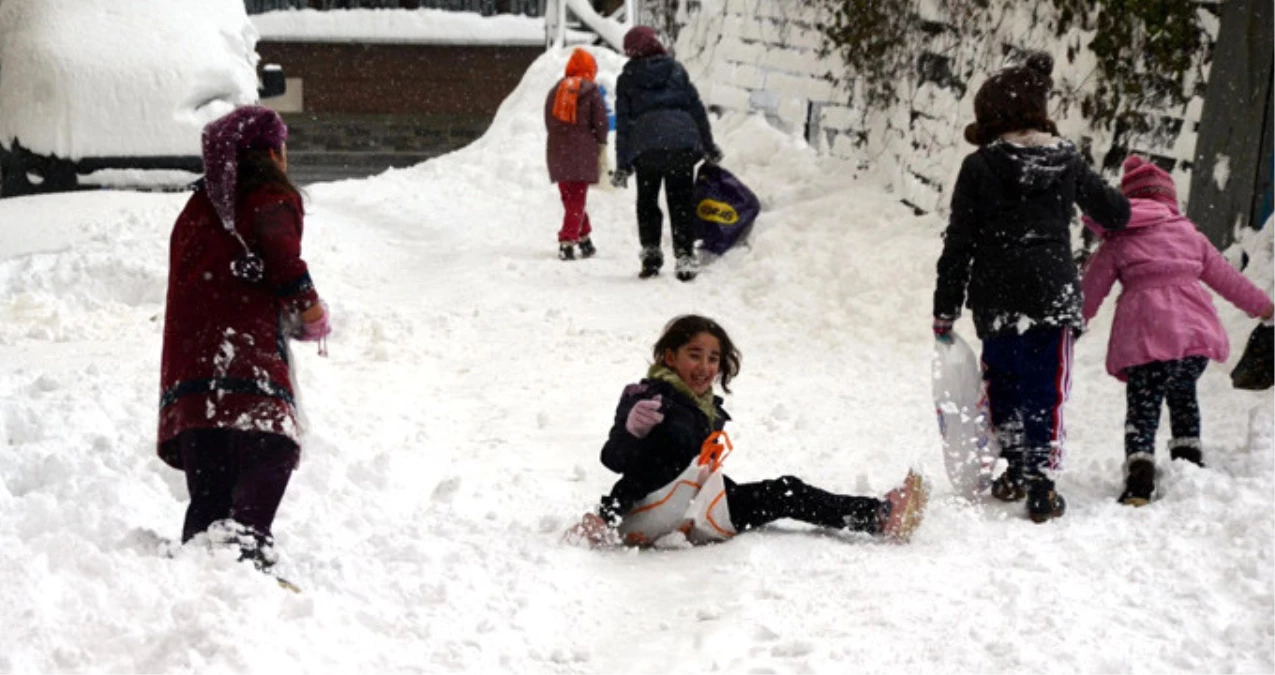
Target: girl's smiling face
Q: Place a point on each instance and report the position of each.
(696, 362)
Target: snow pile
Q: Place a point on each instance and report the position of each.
(86, 78)
(430, 26)
(455, 429)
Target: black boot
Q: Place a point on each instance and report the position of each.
(1043, 501)
(566, 251)
(652, 261)
(1187, 449)
(1139, 482)
(586, 248)
(1009, 486)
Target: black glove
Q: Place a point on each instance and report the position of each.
(620, 177)
(713, 155)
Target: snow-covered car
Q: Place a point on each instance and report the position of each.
(116, 92)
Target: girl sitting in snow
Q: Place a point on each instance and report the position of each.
(1165, 329)
(666, 443)
(576, 121)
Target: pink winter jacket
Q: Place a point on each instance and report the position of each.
(1163, 313)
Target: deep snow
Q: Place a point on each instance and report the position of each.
(454, 433)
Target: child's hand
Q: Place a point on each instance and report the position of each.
(1270, 312)
(643, 417)
(315, 324)
(942, 329)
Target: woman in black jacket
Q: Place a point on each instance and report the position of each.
(1007, 255)
(661, 132)
(661, 427)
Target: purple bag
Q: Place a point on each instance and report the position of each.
(724, 208)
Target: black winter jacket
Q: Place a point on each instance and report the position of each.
(1009, 236)
(657, 108)
(647, 464)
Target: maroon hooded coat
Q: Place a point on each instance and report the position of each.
(225, 354)
(572, 149)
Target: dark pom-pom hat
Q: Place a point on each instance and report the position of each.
(1015, 98)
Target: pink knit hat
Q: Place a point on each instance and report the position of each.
(249, 127)
(1145, 180)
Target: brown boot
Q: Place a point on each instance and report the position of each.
(907, 508)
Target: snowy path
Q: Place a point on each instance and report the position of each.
(454, 433)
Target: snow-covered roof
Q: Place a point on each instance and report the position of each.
(108, 78)
(421, 26)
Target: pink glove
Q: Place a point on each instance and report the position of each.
(316, 328)
(643, 417)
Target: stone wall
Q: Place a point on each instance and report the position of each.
(765, 56)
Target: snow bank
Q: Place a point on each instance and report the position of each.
(455, 429)
(93, 78)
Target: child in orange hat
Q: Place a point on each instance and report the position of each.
(576, 119)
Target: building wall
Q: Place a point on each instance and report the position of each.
(398, 79)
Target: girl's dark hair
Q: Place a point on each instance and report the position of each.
(258, 169)
(681, 330)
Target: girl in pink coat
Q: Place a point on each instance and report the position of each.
(1166, 328)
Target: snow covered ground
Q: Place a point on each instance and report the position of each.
(454, 433)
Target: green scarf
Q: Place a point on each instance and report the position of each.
(706, 403)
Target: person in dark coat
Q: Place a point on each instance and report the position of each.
(661, 133)
(238, 289)
(1008, 245)
(576, 119)
(662, 423)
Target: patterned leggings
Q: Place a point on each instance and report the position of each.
(1149, 386)
(755, 504)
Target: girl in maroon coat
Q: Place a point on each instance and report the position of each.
(576, 119)
(237, 290)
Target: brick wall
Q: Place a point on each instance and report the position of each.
(401, 79)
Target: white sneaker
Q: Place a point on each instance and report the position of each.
(687, 267)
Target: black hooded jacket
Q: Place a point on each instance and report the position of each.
(1009, 237)
(647, 464)
(657, 108)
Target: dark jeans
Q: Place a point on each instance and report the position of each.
(1149, 386)
(755, 504)
(1028, 378)
(676, 169)
(235, 474)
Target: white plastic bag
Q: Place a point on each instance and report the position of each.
(604, 169)
(693, 504)
(965, 422)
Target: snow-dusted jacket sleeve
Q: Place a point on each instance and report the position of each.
(696, 109)
(1100, 276)
(958, 243)
(623, 123)
(1228, 282)
(277, 226)
(1100, 201)
(621, 446)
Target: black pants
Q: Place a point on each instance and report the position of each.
(237, 475)
(1149, 385)
(755, 504)
(676, 169)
